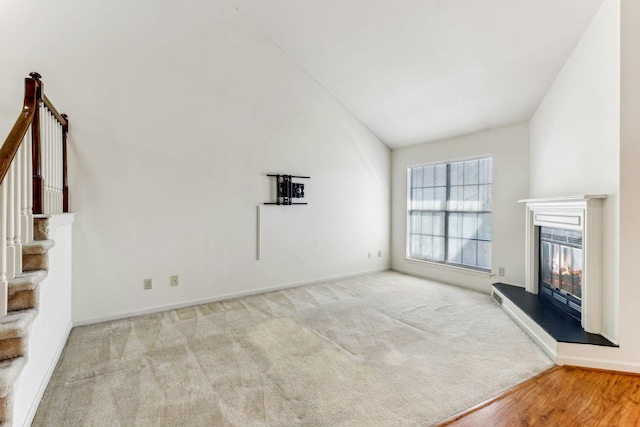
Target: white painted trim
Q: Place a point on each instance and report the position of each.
(531, 328)
(597, 363)
(45, 381)
(485, 289)
(449, 267)
(158, 309)
(580, 197)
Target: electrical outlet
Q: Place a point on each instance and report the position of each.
(501, 271)
(369, 254)
(147, 284)
(379, 253)
(174, 280)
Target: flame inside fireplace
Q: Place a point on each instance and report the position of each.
(561, 261)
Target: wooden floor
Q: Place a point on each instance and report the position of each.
(561, 396)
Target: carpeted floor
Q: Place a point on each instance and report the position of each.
(376, 350)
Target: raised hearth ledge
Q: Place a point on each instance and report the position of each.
(541, 321)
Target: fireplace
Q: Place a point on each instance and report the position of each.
(563, 255)
(560, 269)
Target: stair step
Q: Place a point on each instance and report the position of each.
(37, 247)
(35, 255)
(13, 333)
(9, 372)
(24, 290)
(41, 227)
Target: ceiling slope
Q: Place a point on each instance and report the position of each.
(414, 71)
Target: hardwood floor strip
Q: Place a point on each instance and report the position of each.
(562, 396)
(453, 419)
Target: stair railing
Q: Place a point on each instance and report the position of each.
(33, 177)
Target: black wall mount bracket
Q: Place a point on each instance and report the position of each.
(286, 189)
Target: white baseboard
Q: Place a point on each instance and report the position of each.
(486, 289)
(158, 309)
(594, 363)
(45, 381)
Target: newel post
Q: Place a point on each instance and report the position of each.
(65, 180)
(38, 181)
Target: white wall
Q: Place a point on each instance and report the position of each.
(49, 331)
(177, 111)
(575, 136)
(509, 148)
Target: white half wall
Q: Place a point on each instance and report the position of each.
(178, 111)
(49, 331)
(575, 138)
(509, 148)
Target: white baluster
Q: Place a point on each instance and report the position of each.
(52, 170)
(11, 255)
(47, 166)
(4, 299)
(43, 148)
(17, 210)
(25, 183)
(29, 173)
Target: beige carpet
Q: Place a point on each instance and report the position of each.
(377, 350)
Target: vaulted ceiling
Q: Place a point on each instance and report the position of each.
(414, 71)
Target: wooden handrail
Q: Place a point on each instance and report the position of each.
(12, 143)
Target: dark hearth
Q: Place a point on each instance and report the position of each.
(551, 318)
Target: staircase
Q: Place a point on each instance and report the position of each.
(33, 186)
(22, 311)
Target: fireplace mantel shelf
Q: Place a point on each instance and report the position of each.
(564, 198)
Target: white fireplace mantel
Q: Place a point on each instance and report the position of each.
(582, 213)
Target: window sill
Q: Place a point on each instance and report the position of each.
(451, 268)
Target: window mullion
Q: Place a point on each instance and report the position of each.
(446, 214)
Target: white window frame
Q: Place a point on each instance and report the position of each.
(447, 212)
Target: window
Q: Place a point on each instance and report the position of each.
(450, 213)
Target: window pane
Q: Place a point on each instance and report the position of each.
(415, 222)
(484, 255)
(484, 196)
(471, 172)
(414, 177)
(418, 198)
(441, 175)
(484, 227)
(426, 251)
(470, 226)
(470, 197)
(456, 172)
(455, 225)
(456, 198)
(414, 247)
(484, 171)
(438, 224)
(438, 248)
(427, 197)
(440, 198)
(418, 177)
(454, 250)
(428, 179)
(469, 254)
(427, 223)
